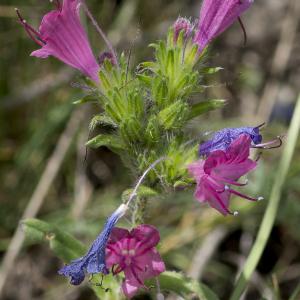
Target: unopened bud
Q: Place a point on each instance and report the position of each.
(182, 24)
(106, 55)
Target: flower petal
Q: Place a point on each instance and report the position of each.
(147, 236)
(66, 39)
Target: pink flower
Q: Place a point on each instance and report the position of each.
(134, 253)
(220, 170)
(216, 16)
(62, 36)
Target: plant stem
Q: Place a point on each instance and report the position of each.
(271, 211)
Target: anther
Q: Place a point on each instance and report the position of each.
(260, 198)
(235, 213)
(266, 146)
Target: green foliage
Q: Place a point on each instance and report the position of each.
(183, 286)
(62, 244)
(68, 248)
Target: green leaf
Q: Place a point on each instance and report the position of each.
(110, 141)
(68, 248)
(62, 244)
(183, 286)
(206, 106)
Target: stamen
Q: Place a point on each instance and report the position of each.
(235, 213)
(116, 269)
(244, 30)
(243, 195)
(222, 204)
(229, 181)
(33, 34)
(261, 125)
(258, 156)
(56, 3)
(260, 198)
(265, 145)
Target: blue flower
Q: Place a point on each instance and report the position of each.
(94, 261)
(222, 139)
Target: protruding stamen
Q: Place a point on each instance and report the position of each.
(244, 30)
(266, 145)
(258, 156)
(33, 34)
(235, 213)
(261, 125)
(230, 181)
(242, 195)
(260, 198)
(57, 4)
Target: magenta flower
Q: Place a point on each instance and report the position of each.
(134, 253)
(216, 16)
(62, 36)
(219, 171)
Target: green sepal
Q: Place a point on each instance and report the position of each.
(183, 286)
(210, 71)
(130, 130)
(111, 141)
(102, 120)
(86, 99)
(142, 192)
(62, 244)
(180, 184)
(153, 131)
(206, 106)
(174, 116)
(145, 79)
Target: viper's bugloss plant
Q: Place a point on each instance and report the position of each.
(145, 111)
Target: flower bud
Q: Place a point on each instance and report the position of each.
(182, 24)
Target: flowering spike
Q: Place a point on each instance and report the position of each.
(220, 169)
(215, 17)
(61, 35)
(133, 252)
(94, 261)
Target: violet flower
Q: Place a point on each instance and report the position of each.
(134, 253)
(216, 16)
(94, 261)
(222, 139)
(62, 35)
(219, 171)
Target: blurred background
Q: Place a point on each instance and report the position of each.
(46, 172)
